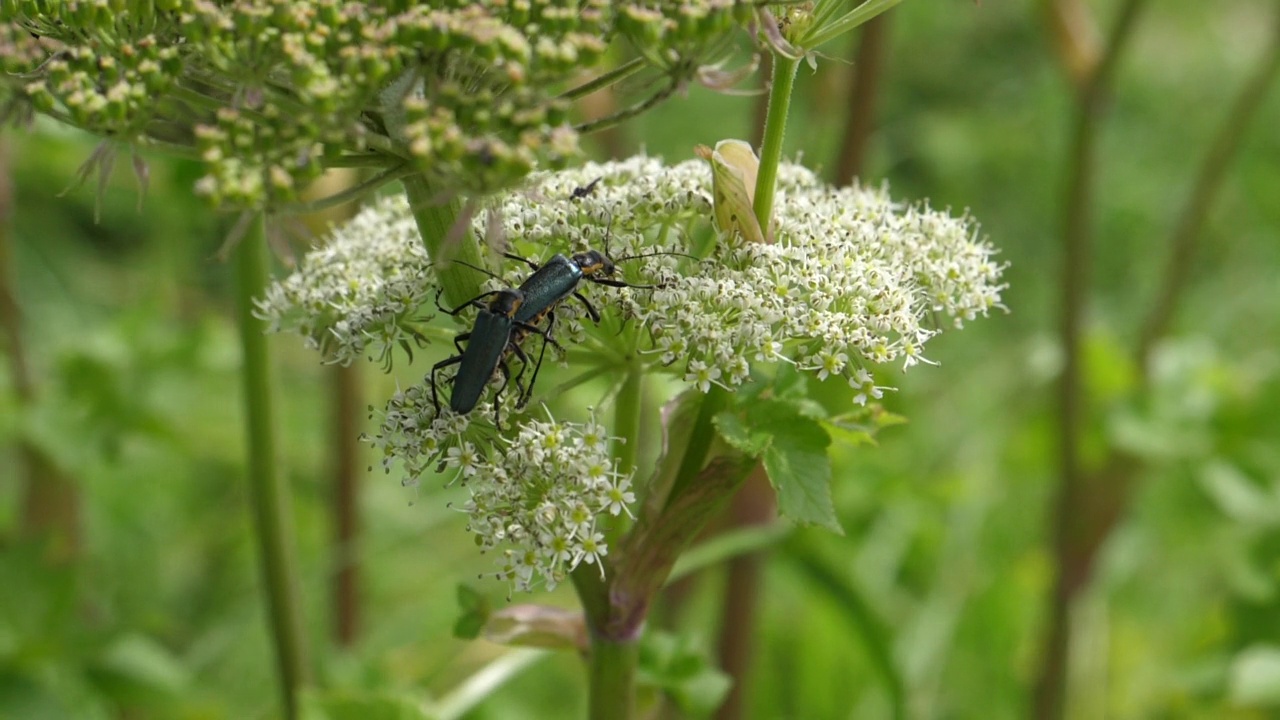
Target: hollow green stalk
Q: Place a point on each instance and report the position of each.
(775, 128)
(446, 243)
(612, 661)
(626, 415)
(268, 494)
(611, 674)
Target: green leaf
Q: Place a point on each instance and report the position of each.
(742, 438)
(799, 470)
(135, 667)
(851, 435)
(681, 671)
(789, 382)
(794, 448)
(475, 613)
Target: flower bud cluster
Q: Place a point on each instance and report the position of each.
(110, 91)
(266, 91)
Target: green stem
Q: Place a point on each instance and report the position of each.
(593, 593)
(612, 661)
(775, 128)
(617, 118)
(361, 160)
(626, 416)
(352, 193)
(701, 436)
(831, 28)
(615, 75)
(447, 243)
(612, 675)
(268, 493)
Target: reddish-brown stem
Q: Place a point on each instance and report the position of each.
(1050, 689)
(753, 505)
(761, 109)
(346, 504)
(50, 500)
(1187, 232)
(868, 67)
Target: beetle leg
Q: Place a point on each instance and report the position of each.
(435, 396)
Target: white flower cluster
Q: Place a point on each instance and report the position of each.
(536, 496)
(852, 279)
(363, 292)
(540, 498)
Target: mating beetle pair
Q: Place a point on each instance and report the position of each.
(512, 315)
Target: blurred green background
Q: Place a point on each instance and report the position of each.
(154, 611)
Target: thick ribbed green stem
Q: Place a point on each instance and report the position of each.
(775, 129)
(612, 674)
(611, 663)
(452, 246)
(626, 416)
(268, 493)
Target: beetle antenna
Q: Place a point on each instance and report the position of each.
(655, 254)
(486, 271)
(608, 233)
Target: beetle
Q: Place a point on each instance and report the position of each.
(514, 314)
(487, 347)
(554, 281)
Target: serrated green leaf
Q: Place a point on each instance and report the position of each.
(845, 434)
(811, 409)
(800, 472)
(765, 414)
(742, 438)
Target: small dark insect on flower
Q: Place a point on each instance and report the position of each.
(585, 190)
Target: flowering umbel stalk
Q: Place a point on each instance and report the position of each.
(854, 280)
(461, 102)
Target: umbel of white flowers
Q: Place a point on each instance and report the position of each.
(853, 279)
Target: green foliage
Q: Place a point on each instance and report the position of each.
(936, 593)
(794, 451)
(473, 613)
(335, 706)
(682, 673)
